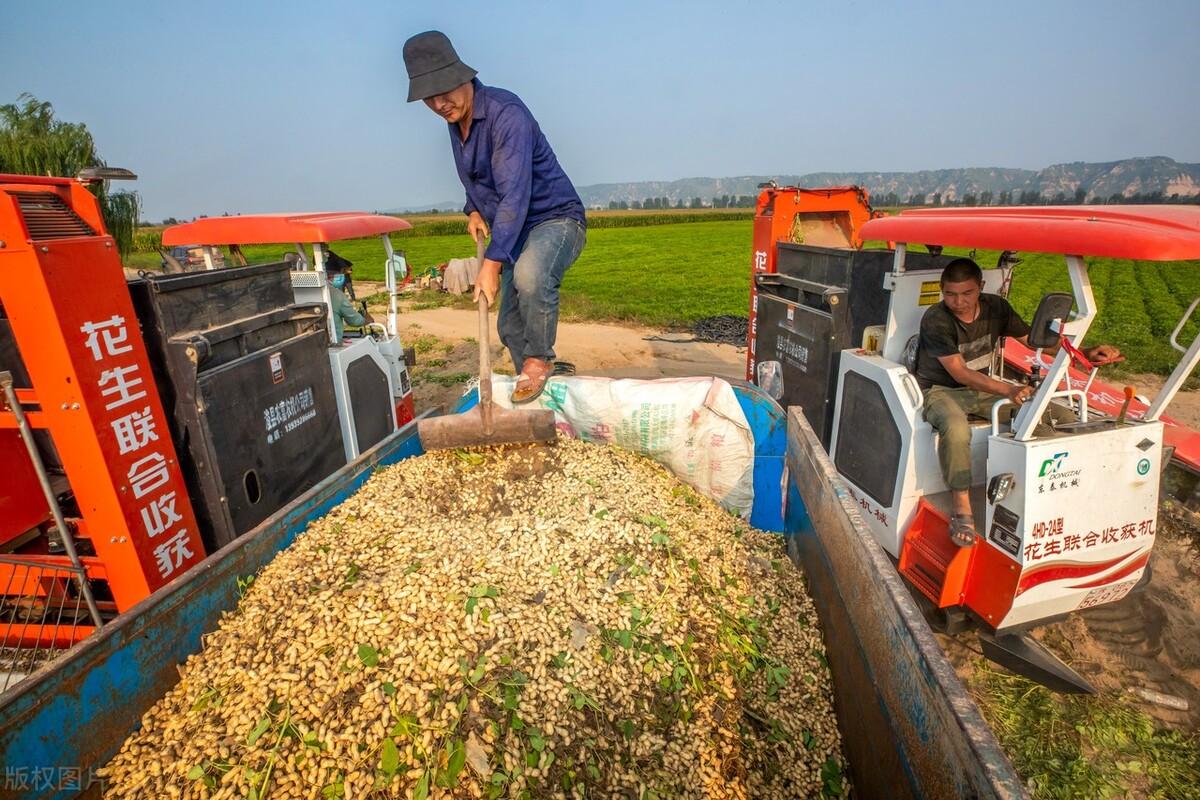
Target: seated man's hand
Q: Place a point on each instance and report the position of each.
(1103, 352)
(1019, 393)
(476, 226)
(487, 282)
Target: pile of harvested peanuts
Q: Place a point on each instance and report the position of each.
(542, 621)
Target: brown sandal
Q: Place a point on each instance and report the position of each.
(962, 530)
(529, 387)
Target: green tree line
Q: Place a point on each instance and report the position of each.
(664, 203)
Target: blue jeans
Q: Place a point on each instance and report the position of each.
(528, 319)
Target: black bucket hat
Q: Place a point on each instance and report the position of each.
(433, 66)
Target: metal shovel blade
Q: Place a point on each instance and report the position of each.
(469, 429)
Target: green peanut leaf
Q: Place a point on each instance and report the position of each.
(368, 655)
(258, 730)
(456, 758)
(406, 725)
(389, 757)
(421, 790)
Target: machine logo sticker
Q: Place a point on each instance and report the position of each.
(276, 367)
(1054, 477)
(1143, 466)
(1052, 465)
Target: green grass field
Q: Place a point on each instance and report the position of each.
(669, 275)
(660, 275)
(1079, 746)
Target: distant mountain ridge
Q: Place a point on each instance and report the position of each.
(1098, 181)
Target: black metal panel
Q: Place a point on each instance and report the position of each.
(47, 216)
(819, 303)
(11, 361)
(868, 449)
(225, 343)
(193, 301)
(226, 347)
(859, 272)
(370, 402)
(10, 355)
(805, 332)
(867, 298)
(828, 265)
(271, 436)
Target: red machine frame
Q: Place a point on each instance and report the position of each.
(63, 289)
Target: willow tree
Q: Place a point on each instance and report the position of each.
(34, 142)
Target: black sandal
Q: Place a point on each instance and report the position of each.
(962, 530)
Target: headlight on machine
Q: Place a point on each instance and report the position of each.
(1000, 486)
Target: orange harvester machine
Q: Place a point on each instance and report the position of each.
(94, 513)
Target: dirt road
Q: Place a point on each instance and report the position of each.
(604, 350)
(447, 349)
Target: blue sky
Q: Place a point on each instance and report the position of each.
(276, 106)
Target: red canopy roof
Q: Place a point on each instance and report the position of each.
(1150, 233)
(329, 226)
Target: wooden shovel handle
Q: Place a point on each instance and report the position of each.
(485, 351)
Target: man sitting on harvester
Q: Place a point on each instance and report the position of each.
(957, 340)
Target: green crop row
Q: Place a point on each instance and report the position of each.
(147, 240)
(458, 224)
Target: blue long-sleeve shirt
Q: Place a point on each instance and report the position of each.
(511, 174)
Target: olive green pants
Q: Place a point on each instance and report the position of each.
(947, 410)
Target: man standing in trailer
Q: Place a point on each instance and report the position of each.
(516, 190)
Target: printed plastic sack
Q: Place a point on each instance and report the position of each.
(692, 426)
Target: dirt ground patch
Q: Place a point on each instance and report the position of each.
(1184, 408)
(448, 353)
(1151, 639)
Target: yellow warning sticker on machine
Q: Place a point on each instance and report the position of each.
(931, 292)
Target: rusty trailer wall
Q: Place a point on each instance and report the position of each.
(908, 725)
